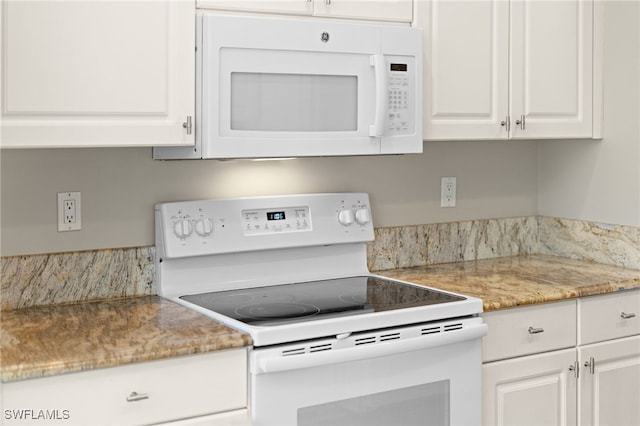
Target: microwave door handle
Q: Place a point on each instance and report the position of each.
(379, 66)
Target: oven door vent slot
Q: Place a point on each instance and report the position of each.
(365, 340)
(321, 348)
(430, 330)
(453, 327)
(391, 336)
(294, 351)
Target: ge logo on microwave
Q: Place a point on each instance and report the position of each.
(324, 37)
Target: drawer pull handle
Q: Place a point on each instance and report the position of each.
(575, 369)
(533, 330)
(625, 315)
(135, 396)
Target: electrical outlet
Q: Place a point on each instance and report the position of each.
(448, 192)
(69, 211)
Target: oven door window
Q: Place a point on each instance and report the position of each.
(426, 405)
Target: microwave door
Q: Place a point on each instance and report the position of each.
(289, 103)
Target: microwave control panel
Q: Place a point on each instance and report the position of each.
(401, 101)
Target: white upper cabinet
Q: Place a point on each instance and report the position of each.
(465, 68)
(379, 10)
(498, 69)
(97, 73)
(551, 59)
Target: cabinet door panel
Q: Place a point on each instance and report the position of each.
(551, 58)
(466, 64)
(610, 395)
(296, 7)
(384, 10)
(86, 73)
(533, 390)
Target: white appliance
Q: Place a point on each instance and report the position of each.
(332, 343)
(272, 87)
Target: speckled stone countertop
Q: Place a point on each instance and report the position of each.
(508, 282)
(48, 340)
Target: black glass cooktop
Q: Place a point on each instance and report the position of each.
(313, 300)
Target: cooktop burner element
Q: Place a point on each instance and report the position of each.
(288, 303)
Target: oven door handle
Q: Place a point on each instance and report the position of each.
(272, 364)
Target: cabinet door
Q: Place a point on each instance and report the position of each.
(97, 73)
(551, 57)
(534, 390)
(465, 68)
(610, 383)
(295, 7)
(379, 10)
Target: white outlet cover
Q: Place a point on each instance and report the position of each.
(76, 225)
(448, 192)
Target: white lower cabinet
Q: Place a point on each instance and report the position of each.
(532, 390)
(195, 387)
(536, 372)
(610, 382)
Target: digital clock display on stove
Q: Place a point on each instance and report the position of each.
(275, 215)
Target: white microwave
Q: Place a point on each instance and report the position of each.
(274, 87)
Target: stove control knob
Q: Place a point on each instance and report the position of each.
(204, 227)
(362, 216)
(345, 217)
(182, 228)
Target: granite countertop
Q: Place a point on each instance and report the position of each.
(508, 282)
(49, 340)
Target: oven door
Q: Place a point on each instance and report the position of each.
(433, 379)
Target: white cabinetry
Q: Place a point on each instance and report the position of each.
(610, 382)
(96, 73)
(532, 390)
(383, 10)
(610, 379)
(538, 372)
(499, 69)
(535, 389)
(145, 393)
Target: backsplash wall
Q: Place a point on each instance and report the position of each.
(33, 280)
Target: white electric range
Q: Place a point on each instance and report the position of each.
(333, 343)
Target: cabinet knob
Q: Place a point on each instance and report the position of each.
(534, 330)
(521, 122)
(625, 315)
(135, 396)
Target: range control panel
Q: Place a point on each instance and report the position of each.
(216, 226)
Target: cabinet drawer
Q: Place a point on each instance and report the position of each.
(166, 390)
(609, 316)
(528, 330)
